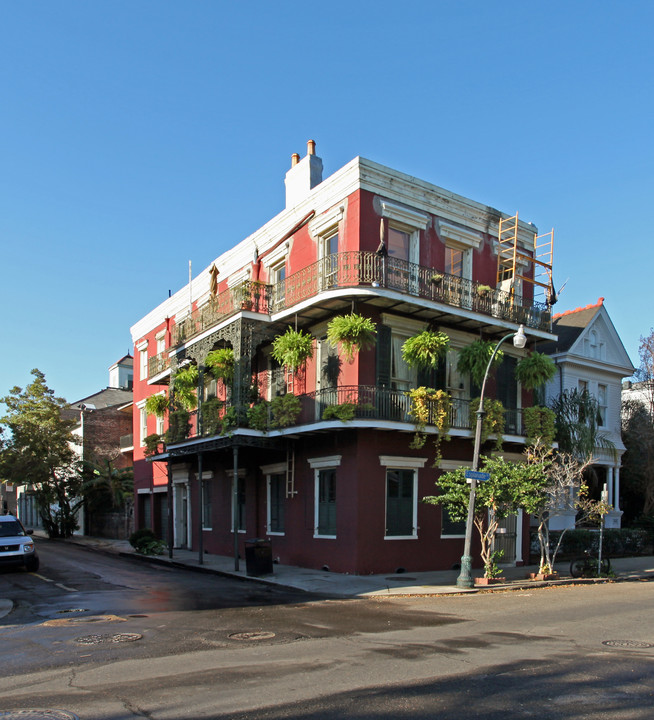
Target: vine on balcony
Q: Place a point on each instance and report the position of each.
(430, 407)
(493, 422)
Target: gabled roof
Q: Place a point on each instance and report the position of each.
(573, 327)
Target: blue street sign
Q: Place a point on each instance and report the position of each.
(478, 476)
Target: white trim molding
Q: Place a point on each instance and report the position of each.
(400, 462)
(329, 461)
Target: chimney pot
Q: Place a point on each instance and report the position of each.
(295, 159)
(311, 147)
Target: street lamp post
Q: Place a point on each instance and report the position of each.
(465, 579)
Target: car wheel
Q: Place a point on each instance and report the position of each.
(32, 565)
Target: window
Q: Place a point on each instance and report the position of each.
(602, 403)
(399, 244)
(160, 425)
(276, 502)
(143, 363)
(454, 261)
(451, 527)
(206, 504)
(143, 425)
(161, 342)
(330, 254)
(326, 503)
(400, 502)
(278, 278)
(403, 377)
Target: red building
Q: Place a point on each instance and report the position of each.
(340, 489)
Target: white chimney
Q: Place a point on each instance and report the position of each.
(303, 176)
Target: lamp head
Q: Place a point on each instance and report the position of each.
(520, 339)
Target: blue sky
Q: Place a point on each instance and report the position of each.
(138, 135)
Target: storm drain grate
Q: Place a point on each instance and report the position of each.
(108, 638)
(38, 715)
(627, 643)
(260, 635)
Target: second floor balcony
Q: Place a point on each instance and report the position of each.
(364, 405)
(363, 269)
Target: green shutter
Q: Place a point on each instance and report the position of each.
(383, 356)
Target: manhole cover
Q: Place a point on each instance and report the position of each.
(38, 715)
(261, 635)
(71, 610)
(400, 578)
(108, 638)
(627, 643)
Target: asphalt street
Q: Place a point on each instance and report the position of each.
(107, 638)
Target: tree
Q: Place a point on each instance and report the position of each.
(107, 487)
(563, 490)
(645, 373)
(638, 461)
(38, 451)
(511, 486)
(577, 424)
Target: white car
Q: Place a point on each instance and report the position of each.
(16, 546)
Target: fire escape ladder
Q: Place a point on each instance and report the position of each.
(290, 473)
(515, 266)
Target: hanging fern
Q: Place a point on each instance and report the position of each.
(156, 405)
(474, 359)
(185, 383)
(293, 348)
(534, 370)
(425, 349)
(352, 332)
(221, 364)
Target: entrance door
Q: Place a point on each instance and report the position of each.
(505, 539)
(181, 515)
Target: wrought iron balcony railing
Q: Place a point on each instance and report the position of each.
(366, 402)
(363, 269)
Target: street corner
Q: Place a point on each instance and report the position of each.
(6, 606)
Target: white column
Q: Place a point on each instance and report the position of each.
(616, 489)
(609, 485)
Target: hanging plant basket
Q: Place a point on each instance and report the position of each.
(156, 405)
(185, 383)
(474, 359)
(352, 333)
(293, 348)
(221, 364)
(425, 349)
(534, 370)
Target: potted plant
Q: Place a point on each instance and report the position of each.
(293, 348)
(221, 364)
(343, 412)
(436, 278)
(211, 419)
(285, 410)
(492, 571)
(352, 333)
(474, 359)
(425, 349)
(152, 443)
(484, 290)
(534, 370)
(258, 415)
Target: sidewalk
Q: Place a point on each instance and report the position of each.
(343, 585)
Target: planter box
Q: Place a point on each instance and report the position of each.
(488, 581)
(543, 576)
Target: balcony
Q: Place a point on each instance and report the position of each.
(370, 404)
(127, 443)
(362, 269)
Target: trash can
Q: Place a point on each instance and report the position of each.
(258, 557)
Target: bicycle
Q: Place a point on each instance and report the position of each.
(589, 565)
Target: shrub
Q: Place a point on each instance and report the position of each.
(145, 542)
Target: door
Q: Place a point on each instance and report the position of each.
(505, 539)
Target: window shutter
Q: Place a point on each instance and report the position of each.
(383, 356)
